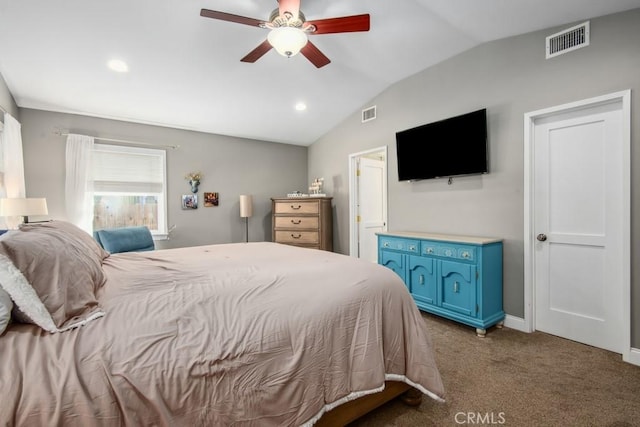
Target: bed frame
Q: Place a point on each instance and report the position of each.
(350, 411)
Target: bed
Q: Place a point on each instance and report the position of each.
(248, 334)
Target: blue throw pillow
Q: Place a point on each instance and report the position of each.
(127, 239)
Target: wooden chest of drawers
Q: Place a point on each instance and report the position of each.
(303, 222)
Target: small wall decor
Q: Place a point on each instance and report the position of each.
(194, 180)
(315, 189)
(210, 199)
(189, 201)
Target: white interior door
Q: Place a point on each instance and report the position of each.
(578, 223)
(371, 206)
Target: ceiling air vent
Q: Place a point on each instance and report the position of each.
(570, 39)
(368, 114)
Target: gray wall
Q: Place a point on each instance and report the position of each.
(231, 166)
(509, 77)
(6, 101)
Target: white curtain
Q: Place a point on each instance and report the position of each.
(13, 166)
(78, 182)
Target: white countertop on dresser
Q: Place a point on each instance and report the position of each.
(477, 240)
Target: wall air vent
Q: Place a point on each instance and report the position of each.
(368, 114)
(567, 40)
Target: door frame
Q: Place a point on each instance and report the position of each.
(353, 194)
(624, 97)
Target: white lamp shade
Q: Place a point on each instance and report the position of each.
(246, 205)
(23, 207)
(287, 40)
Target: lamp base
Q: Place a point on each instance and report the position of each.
(26, 221)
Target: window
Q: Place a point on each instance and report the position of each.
(129, 188)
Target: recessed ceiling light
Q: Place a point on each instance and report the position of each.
(301, 106)
(118, 66)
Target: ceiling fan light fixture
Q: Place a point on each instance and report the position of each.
(287, 41)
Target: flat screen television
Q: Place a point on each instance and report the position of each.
(450, 147)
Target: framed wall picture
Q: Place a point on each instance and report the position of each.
(189, 201)
(210, 199)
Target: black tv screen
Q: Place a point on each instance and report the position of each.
(449, 147)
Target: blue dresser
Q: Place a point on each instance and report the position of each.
(457, 277)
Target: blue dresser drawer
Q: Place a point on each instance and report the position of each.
(461, 252)
(400, 244)
(457, 252)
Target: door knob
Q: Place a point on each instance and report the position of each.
(541, 237)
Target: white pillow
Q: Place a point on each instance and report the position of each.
(6, 304)
(5, 309)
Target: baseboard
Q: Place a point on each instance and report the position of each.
(517, 323)
(633, 356)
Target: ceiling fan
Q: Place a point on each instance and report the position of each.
(289, 30)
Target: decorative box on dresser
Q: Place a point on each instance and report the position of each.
(303, 221)
(457, 277)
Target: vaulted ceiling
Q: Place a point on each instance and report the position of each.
(184, 70)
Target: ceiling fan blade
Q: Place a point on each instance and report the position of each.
(313, 54)
(291, 6)
(257, 53)
(345, 24)
(230, 17)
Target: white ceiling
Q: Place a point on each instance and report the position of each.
(185, 70)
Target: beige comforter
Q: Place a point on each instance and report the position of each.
(221, 335)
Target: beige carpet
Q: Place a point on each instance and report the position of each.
(512, 378)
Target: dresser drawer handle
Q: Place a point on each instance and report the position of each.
(412, 248)
(386, 244)
(465, 254)
(296, 237)
(430, 250)
(296, 222)
(296, 208)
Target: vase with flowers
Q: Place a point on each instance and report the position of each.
(194, 180)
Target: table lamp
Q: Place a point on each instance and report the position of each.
(23, 207)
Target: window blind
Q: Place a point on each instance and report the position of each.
(128, 169)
